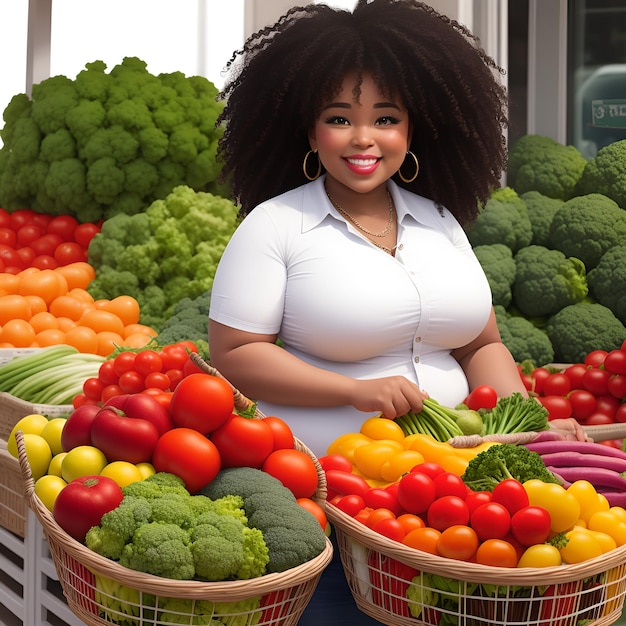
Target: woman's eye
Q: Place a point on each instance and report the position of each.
(336, 119)
(387, 120)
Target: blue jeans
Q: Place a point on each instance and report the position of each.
(332, 603)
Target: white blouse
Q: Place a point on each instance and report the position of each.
(295, 267)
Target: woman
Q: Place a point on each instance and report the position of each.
(359, 145)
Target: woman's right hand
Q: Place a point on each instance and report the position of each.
(392, 396)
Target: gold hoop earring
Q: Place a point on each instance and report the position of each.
(305, 163)
(417, 169)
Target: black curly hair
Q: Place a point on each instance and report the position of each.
(285, 73)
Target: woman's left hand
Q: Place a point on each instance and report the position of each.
(569, 428)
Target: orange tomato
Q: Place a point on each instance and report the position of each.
(47, 283)
(66, 306)
(125, 307)
(410, 522)
(82, 295)
(9, 283)
(424, 539)
(43, 320)
(132, 329)
(107, 342)
(314, 509)
(83, 338)
(65, 323)
(49, 337)
(18, 333)
(137, 340)
(377, 515)
(14, 306)
(458, 542)
(77, 274)
(497, 553)
(37, 304)
(100, 320)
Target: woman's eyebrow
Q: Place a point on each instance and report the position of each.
(347, 105)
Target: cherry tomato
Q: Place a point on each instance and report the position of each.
(295, 469)
(539, 375)
(27, 234)
(376, 515)
(424, 539)
(378, 498)
(497, 553)
(157, 380)
(607, 404)
(511, 494)
(583, 404)
(131, 382)
(541, 555)
(175, 377)
(617, 386)
(557, 384)
(447, 511)
(620, 414)
(491, 521)
(64, 226)
(531, 525)
(46, 244)
(147, 361)
(575, 374)
(596, 380)
(595, 358)
(558, 407)
(174, 357)
(124, 362)
(481, 397)
(410, 522)
(69, 252)
(449, 484)
(84, 233)
(615, 362)
(416, 492)
(458, 542)
(428, 468)
(597, 419)
(475, 498)
(314, 509)
(92, 388)
(335, 462)
(390, 528)
(350, 504)
(8, 237)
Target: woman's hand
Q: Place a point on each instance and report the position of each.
(392, 396)
(569, 428)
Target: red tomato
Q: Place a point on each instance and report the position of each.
(124, 362)
(390, 528)
(615, 362)
(344, 483)
(107, 373)
(314, 509)
(92, 388)
(27, 255)
(595, 358)
(481, 397)
(174, 357)
(84, 233)
(531, 525)
(428, 468)
(241, 441)
(131, 382)
(9, 256)
(202, 402)
(28, 233)
(575, 374)
(189, 455)
(148, 361)
(607, 405)
(416, 492)
(20, 217)
(295, 469)
(557, 384)
(597, 419)
(475, 498)
(449, 484)
(350, 504)
(157, 380)
(596, 380)
(8, 237)
(447, 511)
(511, 494)
(458, 542)
(282, 434)
(558, 407)
(82, 503)
(175, 376)
(335, 462)
(46, 244)
(64, 226)
(497, 553)
(491, 521)
(583, 404)
(539, 375)
(620, 414)
(379, 498)
(617, 386)
(110, 391)
(44, 262)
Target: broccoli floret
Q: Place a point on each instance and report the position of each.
(607, 280)
(502, 461)
(155, 486)
(541, 210)
(585, 227)
(539, 163)
(580, 328)
(504, 219)
(160, 549)
(293, 536)
(606, 173)
(525, 341)
(498, 264)
(546, 281)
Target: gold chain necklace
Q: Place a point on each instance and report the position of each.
(362, 228)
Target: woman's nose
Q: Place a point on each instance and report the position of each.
(362, 137)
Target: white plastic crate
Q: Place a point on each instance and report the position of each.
(30, 594)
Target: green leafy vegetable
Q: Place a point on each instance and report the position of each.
(516, 414)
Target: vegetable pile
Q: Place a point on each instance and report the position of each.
(104, 144)
(555, 273)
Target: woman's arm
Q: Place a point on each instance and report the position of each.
(264, 371)
(487, 361)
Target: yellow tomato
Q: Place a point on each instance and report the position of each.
(581, 546)
(146, 469)
(82, 461)
(607, 543)
(587, 497)
(47, 488)
(369, 458)
(56, 464)
(382, 428)
(122, 472)
(540, 555)
(52, 434)
(609, 523)
(30, 424)
(619, 512)
(563, 507)
(346, 444)
(38, 454)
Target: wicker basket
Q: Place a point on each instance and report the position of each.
(88, 579)
(380, 571)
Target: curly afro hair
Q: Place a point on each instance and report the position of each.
(279, 81)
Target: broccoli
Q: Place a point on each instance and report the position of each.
(606, 173)
(607, 280)
(206, 613)
(525, 341)
(546, 281)
(161, 529)
(541, 209)
(292, 535)
(585, 227)
(503, 219)
(497, 262)
(502, 461)
(104, 144)
(164, 255)
(580, 328)
(539, 163)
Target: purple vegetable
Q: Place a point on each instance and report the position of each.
(576, 459)
(597, 476)
(584, 447)
(614, 498)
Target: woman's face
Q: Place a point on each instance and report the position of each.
(361, 144)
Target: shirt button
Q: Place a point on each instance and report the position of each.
(401, 246)
(418, 339)
(417, 359)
